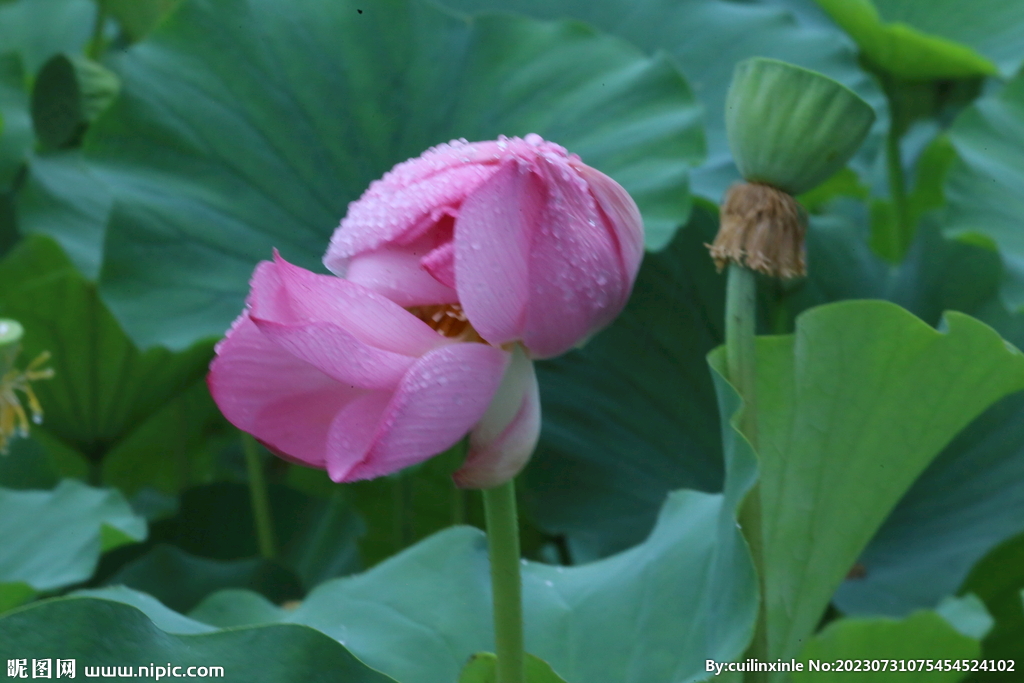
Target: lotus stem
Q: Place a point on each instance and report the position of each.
(95, 47)
(259, 498)
(506, 583)
(741, 364)
(740, 350)
(95, 473)
(459, 495)
(402, 531)
(898, 190)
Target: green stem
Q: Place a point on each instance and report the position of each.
(506, 585)
(898, 190)
(741, 364)
(458, 506)
(184, 464)
(402, 510)
(96, 473)
(459, 495)
(95, 47)
(740, 351)
(258, 498)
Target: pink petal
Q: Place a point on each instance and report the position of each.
(332, 350)
(287, 294)
(352, 433)
(441, 397)
(415, 193)
(399, 275)
(576, 280)
(504, 439)
(281, 400)
(621, 214)
(440, 263)
(405, 196)
(492, 251)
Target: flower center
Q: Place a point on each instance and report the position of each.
(13, 419)
(448, 320)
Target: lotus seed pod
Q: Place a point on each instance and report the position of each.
(69, 93)
(790, 127)
(11, 332)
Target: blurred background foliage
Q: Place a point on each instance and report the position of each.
(152, 151)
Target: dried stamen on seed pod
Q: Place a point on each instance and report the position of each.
(762, 228)
(448, 320)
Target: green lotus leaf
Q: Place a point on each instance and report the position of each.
(881, 412)
(482, 668)
(54, 539)
(182, 580)
(38, 29)
(971, 497)
(422, 614)
(606, 399)
(998, 579)
(105, 634)
(933, 39)
(708, 38)
(138, 17)
(103, 386)
(317, 538)
(25, 466)
(924, 635)
(968, 501)
(62, 198)
(14, 594)
(210, 172)
(16, 131)
(983, 187)
(236, 607)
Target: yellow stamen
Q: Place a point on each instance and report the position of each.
(448, 320)
(13, 419)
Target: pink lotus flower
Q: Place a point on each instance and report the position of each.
(534, 245)
(330, 374)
